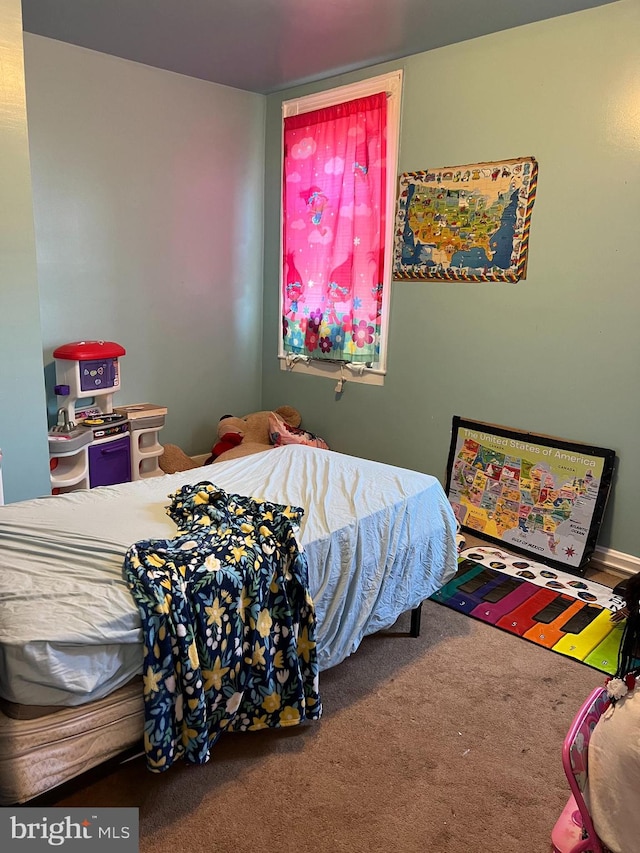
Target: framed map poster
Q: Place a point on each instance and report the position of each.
(533, 494)
(465, 223)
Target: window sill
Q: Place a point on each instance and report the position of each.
(369, 376)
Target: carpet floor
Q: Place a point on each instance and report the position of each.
(445, 743)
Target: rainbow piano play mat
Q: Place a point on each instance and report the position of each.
(554, 609)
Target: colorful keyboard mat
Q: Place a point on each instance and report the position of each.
(551, 608)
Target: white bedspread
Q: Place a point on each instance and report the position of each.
(379, 540)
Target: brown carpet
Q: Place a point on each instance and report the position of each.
(448, 743)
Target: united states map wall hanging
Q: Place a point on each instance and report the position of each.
(465, 223)
(535, 494)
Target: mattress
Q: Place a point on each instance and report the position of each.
(40, 751)
(379, 540)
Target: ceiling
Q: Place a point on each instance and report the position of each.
(268, 45)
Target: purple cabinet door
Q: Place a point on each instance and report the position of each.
(110, 462)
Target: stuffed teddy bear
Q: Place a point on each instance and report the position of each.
(243, 436)
(173, 459)
(253, 432)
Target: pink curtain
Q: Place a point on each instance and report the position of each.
(334, 227)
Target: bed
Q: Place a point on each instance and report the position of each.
(378, 541)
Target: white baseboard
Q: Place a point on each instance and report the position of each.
(201, 458)
(616, 562)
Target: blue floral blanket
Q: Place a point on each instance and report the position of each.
(228, 622)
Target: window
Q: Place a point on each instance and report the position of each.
(339, 176)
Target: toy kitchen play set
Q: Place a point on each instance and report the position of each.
(94, 443)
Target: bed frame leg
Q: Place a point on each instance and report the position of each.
(416, 613)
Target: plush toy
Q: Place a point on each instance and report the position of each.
(252, 430)
(173, 459)
(229, 437)
(242, 436)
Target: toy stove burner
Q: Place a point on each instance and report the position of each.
(104, 426)
(101, 420)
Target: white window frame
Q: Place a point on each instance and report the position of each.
(391, 84)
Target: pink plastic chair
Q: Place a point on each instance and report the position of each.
(574, 832)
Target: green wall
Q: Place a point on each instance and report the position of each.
(131, 211)
(23, 436)
(147, 197)
(558, 353)
(149, 226)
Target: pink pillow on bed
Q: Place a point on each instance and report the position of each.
(280, 432)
